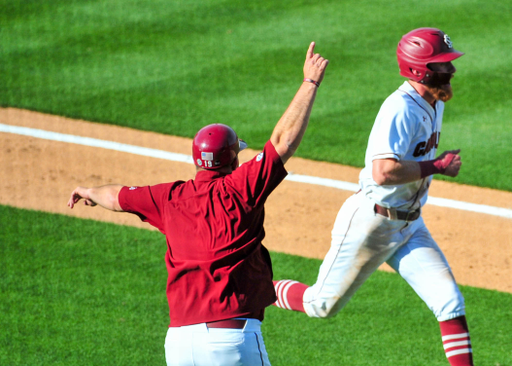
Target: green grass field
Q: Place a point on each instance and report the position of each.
(175, 66)
(79, 292)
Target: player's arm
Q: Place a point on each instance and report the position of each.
(394, 172)
(290, 129)
(105, 196)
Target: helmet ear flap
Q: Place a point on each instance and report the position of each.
(422, 77)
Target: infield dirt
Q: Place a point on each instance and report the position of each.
(40, 174)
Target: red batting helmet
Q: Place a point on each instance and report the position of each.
(216, 146)
(421, 47)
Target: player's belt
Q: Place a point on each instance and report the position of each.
(229, 323)
(395, 214)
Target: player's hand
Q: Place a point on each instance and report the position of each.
(449, 163)
(315, 65)
(78, 194)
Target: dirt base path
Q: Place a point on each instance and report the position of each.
(40, 174)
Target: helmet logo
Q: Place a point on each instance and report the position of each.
(199, 162)
(447, 41)
(206, 155)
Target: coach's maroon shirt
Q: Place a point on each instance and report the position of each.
(218, 268)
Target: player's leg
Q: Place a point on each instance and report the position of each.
(423, 265)
(200, 345)
(290, 294)
(361, 242)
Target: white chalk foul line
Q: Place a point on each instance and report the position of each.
(160, 154)
(87, 141)
(434, 201)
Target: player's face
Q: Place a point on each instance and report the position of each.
(442, 67)
(439, 85)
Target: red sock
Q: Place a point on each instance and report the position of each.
(456, 342)
(289, 294)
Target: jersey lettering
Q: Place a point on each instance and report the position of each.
(424, 148)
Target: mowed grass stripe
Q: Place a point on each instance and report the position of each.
(81, 292)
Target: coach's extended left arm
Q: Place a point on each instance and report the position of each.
(105, 196)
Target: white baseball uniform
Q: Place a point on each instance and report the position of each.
(406, 128)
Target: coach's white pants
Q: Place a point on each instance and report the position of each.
(361, 241)
(199, 345)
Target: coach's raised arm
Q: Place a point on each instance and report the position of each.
(289, 130)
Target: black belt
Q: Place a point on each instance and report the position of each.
(394, 214)
(229, 323)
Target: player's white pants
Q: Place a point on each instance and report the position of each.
(361, 241)
(199, 345)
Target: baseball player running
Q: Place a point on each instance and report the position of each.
(382, 222)
(219, 273)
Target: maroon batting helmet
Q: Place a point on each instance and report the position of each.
(421, 47)
(216, 146)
